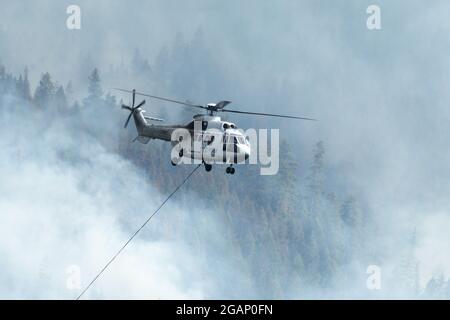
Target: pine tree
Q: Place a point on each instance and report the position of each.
(316, 177)
(45, 91)
(26, 91)
(287, 174)
(349, 213)
(95, 90)
(75, 109)
(407, 272)
(162, 67)
(2, 79)
(437, 287)
(139, 65)
(69, 91)
(60, 99)
(19, 86)
(110, 100)
(2, 72)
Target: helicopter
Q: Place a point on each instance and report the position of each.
(206, 129)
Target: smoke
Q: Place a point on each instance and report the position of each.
(68, 204)
(381, 98)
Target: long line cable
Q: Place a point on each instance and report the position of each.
(137, 231)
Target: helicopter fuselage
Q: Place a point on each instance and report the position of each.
(213, 141)
(206, 138)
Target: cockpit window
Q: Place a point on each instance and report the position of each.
(209, 139)
(238, 140)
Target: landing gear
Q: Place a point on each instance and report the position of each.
(208, 167)
(230, 170)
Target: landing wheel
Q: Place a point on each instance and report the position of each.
(208, 167)
(174, 163)
(229, 170)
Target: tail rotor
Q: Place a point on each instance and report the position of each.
(132, 108)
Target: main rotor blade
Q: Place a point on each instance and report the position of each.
(134, 97)
(163, 99)
(267, 114)
(140, 104)
(222, 104)
(126, 107)
(128, 119)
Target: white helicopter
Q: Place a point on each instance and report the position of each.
(204, 130)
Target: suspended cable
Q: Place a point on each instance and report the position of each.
(137, 231)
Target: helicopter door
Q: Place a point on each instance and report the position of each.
(224, 150)
(235, 149)
(197, 147)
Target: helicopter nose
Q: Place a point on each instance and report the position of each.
(246, 151)
(242, 153)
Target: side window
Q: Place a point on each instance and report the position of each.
(208, 139)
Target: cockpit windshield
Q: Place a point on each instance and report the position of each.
(240, 140)
(234, 139)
